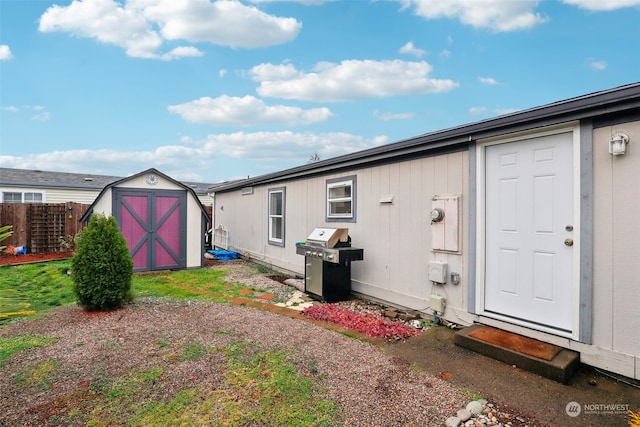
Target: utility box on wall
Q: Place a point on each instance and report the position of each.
(445, 223)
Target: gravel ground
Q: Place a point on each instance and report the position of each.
(369, 388)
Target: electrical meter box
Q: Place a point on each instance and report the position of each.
(445, 223)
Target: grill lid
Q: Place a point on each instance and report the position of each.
(329, 237)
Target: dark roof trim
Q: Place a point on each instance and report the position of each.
(154, 171)
(608, 102)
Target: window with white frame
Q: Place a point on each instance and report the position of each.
(276, 216)
(19, 197)
(32, 197)
(341, 199)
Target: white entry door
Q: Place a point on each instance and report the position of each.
(529, 231)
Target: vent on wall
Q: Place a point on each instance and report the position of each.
(247, 190)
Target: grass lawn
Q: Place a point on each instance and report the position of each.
(31, 289)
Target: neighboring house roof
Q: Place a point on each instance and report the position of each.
(614, 101)
(47, 179)
(73, 181)
(189, 189)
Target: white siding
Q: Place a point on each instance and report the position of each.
(395, 237)
(58, 195)
(616, 279)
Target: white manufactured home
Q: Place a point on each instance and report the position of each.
(528, 222)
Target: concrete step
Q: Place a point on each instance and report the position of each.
(531, 355)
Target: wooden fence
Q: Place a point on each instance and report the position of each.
(39, 226)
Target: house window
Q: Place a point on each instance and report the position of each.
(341, 199)
(276, 216)
(33, 197)
(11, 197)
(16, 197)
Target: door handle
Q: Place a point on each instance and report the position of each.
(568, 242)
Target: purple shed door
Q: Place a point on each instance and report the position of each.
(154, 225)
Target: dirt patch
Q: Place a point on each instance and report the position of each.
(93, 356)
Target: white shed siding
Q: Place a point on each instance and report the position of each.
(396, 238)
(104, 205)
(195, 232)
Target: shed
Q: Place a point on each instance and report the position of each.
(524, 222)
(162, 220)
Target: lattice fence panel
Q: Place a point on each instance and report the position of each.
(47, 227)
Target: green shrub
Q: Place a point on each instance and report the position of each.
(102, 267)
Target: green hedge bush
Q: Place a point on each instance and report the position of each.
(102, 267)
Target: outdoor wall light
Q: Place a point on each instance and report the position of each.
(618, 144)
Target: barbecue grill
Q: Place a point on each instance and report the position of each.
(328, 255)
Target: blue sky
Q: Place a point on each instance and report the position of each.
(217, 90)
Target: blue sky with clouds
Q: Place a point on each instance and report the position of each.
(210, 91)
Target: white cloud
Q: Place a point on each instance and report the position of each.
(106, 21)
(227, 23)
(445, 53)
(495, 15)
(386, 117)
(597, 65)
(181, 52)
(603, 5)
(305, 2)
(487, 81)
(477, 110)
(222, 73)
(40, 110)
(42, 117)
(5, 52)
(348, 81)
(267, 150)
(246, 111)
(287, 145)
(142, 27)
(410, 49)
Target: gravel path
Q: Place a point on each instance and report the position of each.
(369, 388)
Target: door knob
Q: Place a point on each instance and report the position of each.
(568, 242)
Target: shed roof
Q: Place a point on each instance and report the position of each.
(186, 187)
(620, 100)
